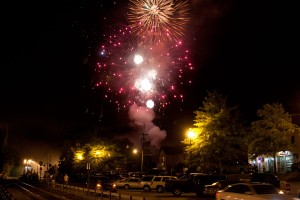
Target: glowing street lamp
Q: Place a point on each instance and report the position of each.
(191, 135)
(135, 151)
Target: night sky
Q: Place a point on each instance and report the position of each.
(247, 50)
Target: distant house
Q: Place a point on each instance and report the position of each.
(170, 157)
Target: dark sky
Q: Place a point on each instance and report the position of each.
(247, 50)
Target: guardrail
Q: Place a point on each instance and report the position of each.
(97, 194)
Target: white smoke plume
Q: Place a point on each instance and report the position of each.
(142, 118)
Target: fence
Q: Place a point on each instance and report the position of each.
(91, 193)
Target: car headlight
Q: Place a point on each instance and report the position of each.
(114, 185)
(281, 192)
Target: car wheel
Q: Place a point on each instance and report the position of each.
(146, 188)
(159, 189)
(200, 191)
(126, 187)
(200, 194)
(177, 192)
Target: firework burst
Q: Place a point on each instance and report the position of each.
(133, 73)
(156, 21)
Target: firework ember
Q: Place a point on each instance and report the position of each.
(138, 72)
(156, 21)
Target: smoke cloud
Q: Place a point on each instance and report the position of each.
(142, 119)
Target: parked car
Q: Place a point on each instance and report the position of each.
(239, 167)
(158, 182)
(265, 178)
(156, 172)
(252, 191)
(128, 183)
(145, 182)
(194, 183)
(211, 190)
(135, 174)
(295, 167)
(102, 183)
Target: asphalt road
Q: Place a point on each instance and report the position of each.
(71, 192)
(155, 195)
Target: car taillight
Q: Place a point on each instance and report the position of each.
(151, 183)
(217, 195)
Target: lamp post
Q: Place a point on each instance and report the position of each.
(143, 147)
(191, 135)
(88, 167)
(142, 159)
(137, 152)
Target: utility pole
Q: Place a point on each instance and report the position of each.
(143, 146)
(142, 162)
(88, 167)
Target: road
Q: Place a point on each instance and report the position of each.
(15, 189)
(155, 195)
(19, 190)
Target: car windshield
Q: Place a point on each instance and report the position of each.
(265, 189)
(185, 176)
(147, 178)
(103, 179)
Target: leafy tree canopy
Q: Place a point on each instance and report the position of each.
(272, 132)
(219, 132)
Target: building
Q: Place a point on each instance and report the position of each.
(283, 159)
(171, 158)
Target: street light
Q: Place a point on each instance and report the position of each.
(135, 151)
(191, 135)
(88, 167)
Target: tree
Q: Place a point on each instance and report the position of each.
(103, 155)
(272, 132)
(219, 133)
(66, 159)
(9, 160)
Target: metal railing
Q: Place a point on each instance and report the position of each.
(91, 193)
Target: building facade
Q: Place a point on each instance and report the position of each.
(282, 160)
(171, 159)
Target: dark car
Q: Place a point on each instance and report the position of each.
(157, 172)
(265, 178)
(211, 190)
(238, 167)
(194, 182)
(102, 183)
(295, 167)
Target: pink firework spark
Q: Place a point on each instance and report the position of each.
(165, 70)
